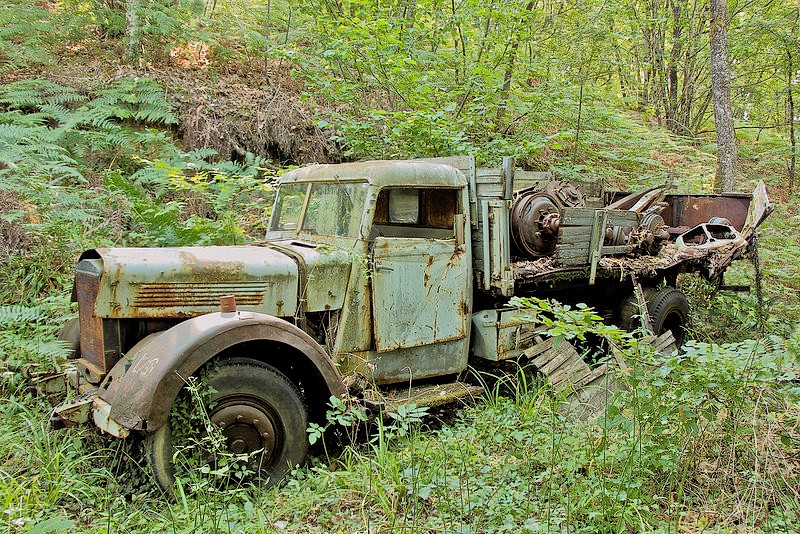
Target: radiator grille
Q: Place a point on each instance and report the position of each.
(197, 294)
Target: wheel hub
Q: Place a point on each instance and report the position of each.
(246, 429)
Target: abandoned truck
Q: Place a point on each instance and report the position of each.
(374, 278)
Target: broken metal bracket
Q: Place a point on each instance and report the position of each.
(101, 412)
(642, 302)
(53, 384)
(736, 288)
(72, 414)
(596, 243)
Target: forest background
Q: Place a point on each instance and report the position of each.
(166, 122)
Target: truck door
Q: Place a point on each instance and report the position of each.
(421, 274)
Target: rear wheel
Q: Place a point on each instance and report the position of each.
(668, 310)
(259, 428)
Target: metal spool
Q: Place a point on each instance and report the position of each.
(536, 216)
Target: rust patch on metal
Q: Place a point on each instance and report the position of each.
(691, 210)
(87, 286)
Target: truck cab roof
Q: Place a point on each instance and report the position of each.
(411, 173)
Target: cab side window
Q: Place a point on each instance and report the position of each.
(416, 212)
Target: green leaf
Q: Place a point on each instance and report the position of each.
(53, 524)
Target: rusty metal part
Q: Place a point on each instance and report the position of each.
(101, 413)
(758, 210)
(388, 400)
(536, 216)
(648, 201)
(87, 286)
(687, 211)
(70, 334)
(421, 297)
(246, 425)
(651, 233)
(50, 384)
(618, 235)
(142, 387)
(565, 193)
(628, 201)
(708, 236)
(189, 281)
(654, 224)
(533, 219)
(73, 413)
(227, 304)
(720, 220)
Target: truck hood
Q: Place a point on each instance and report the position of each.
(189, 281)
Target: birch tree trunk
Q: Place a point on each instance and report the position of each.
(133, 30)
(725, 179)
(790, 113)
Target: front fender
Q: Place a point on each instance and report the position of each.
(142, 386)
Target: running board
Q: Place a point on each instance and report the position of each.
(432, 395)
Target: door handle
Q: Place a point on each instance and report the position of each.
(380, 267)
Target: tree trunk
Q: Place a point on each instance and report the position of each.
(505, 91)
(133, 30)
(671, 112)
(725, 179)
(790, 102)
(408, 10)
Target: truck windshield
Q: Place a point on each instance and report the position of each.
(331, 209)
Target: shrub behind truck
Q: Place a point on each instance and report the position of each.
(372, 276)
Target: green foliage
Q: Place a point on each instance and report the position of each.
(562, 321)
(56, 142)
(45, 471)
(188, 200)
(403, 134)
(342, 413)
(25, 35)
(27, 340)
(714, 425)
(202, 461)
(51, 131)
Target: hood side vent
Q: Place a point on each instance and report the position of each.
(196, 294)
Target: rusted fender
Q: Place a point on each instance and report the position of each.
(142, 386)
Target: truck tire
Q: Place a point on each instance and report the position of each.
(668, 310)
(259, 413)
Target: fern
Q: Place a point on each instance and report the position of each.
(37, 350)
(201, 154)
(33, 93)
(11, 315)
(26, 31)
(54, 112)
(138, 98)
(14, 132)
(49, 130)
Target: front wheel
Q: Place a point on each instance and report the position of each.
(259, 427)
